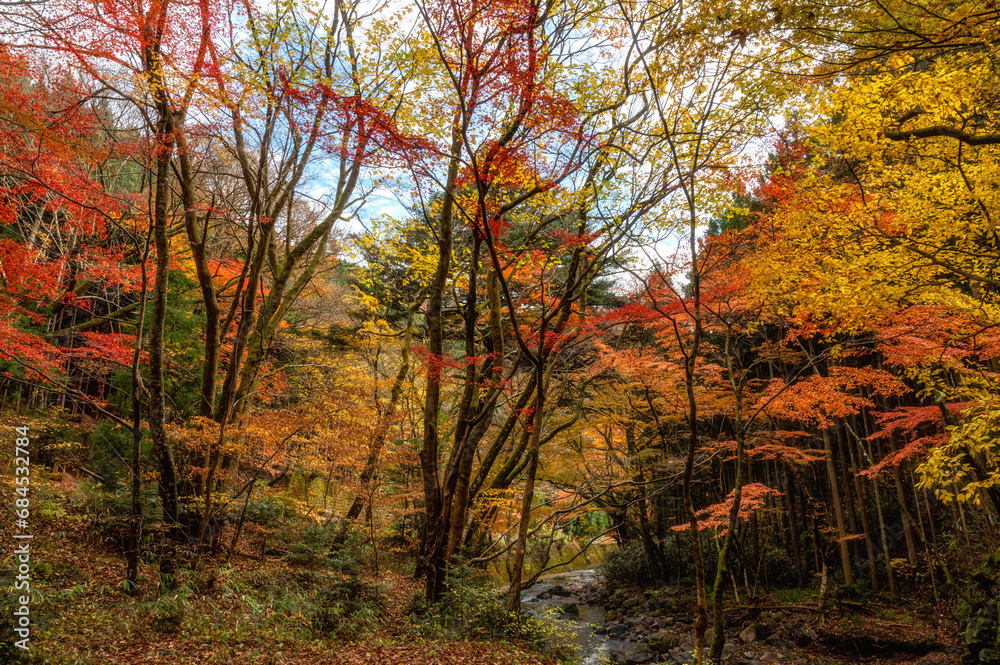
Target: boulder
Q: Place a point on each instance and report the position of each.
(571, 609)
(617, 629)
(799, 633)
(639, 657)
(776, 642)
(663, 641)
(981, 629)
(632, 603)
(990, 655)
(630, 656)
(749, 634)
(806, 637)
(681, 656)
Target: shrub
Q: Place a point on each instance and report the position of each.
(347, 608)
(344, 551)
(471, 608)
(264, 511)
(110, 515)
(625, 565)
(311, 549)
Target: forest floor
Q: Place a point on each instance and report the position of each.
(248, 610)
(257, 610)
(85, 619)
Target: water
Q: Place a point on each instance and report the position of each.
(576, 630)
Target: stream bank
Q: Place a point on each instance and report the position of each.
(650, 627)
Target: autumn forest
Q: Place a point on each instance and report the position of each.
(499, 331)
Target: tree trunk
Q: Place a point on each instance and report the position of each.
(435, 566)
(167, 481)
(514, 599)
(135, 525)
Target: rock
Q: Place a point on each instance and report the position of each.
(709, 636)
(600, 630)
(616, 656)
(663, 641)
(559, 590)
(806, 637)
(749, 634)
(632, 622)
(989, 655)
(571, 609)
(610, 615)
(799, 633)
(776, 642)
(647, 621)
(933, 658)
(630, 656)
(681, 656)
(980, 630)
(728, 649)
(617, 629)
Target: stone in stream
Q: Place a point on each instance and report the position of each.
(617, 629)
(639, 656)
(559, 590)
(571, 609)
(662, 641)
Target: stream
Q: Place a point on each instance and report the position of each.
(548, 599)
(650, 627)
